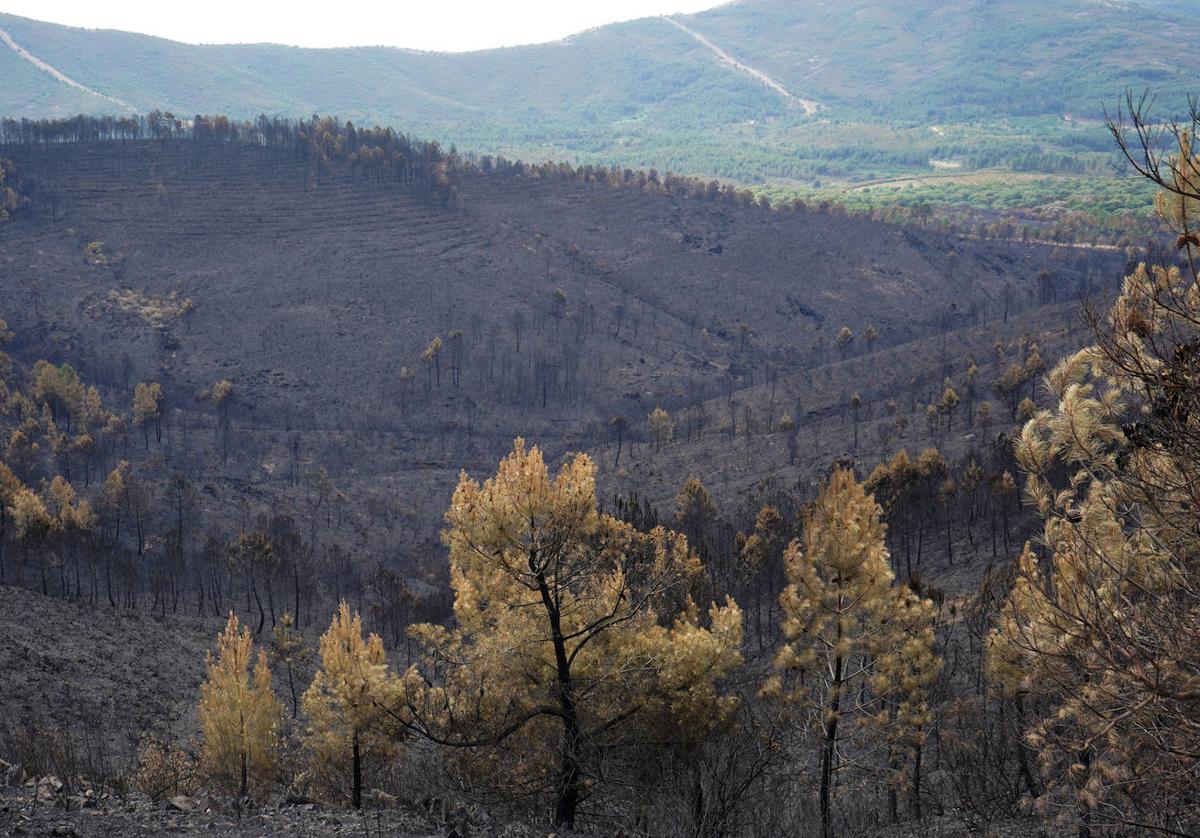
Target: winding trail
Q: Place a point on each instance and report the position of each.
(60, 76)
(810, 107)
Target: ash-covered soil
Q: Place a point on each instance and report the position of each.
(109, 672)
(100, 815)
(84, 815)
(575, 303)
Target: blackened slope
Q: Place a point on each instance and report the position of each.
(295, 283)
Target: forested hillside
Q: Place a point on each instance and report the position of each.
(950, 99)
(537, 301)
(278, 367)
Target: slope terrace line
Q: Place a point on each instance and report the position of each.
(810, 107)
(60, 76)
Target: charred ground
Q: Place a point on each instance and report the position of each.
(561, 305)
(563, 301)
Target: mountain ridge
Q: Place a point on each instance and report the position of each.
(608, 90)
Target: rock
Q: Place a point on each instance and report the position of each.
(48, 788)
(86, 800)
(206, 803)
(382, 797)
(12, 774)
(183, 803)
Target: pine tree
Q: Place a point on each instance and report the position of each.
(239, 714)
(761, 556)
(618, 425)
(1034, 366)
(60, 388)
(572, 632)
(21, 453)
(350, 703)
(985, 416)
(1103, 621)
(894, 486)
(147, 400)
(71, 519)
(695, 513)
(254, 553)
(661, 429)
(9, 486)
(406, 376)
(33, 524)
(1104, 624)
(288, 650)
(858, 654)
(432, 358)
(845, 337)
(10, 198)
(904, 677)
(1010, 385)
(949, 404)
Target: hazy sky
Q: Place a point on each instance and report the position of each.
(419, 24)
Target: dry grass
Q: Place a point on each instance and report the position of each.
(157, 311)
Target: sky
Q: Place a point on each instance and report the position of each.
(459, 25)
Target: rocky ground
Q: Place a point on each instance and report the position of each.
(46, 808)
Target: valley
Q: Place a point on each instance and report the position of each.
(570, 304)
(371, 338)
(777, 419)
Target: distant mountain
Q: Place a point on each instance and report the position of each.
(727, 92)
(1179, 7)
